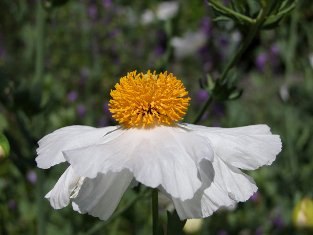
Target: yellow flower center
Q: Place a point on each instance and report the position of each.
(147, 100)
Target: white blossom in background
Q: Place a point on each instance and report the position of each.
(163, 11)
(147, 17)
(284, 92)
(167, 10)
(188, 44)
(311, 59)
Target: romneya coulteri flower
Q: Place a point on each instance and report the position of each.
(196, 167)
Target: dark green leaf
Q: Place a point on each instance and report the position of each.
(174, 224)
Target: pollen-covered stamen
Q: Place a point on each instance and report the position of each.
(146, 100)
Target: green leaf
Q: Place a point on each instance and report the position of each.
(235, 94)
(174, 224)
(221, 18)
(273, 20)
(236, 16)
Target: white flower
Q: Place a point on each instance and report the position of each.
(147, 17)
(167, 10)
(189, 44)
(197, 167)
(164, 11)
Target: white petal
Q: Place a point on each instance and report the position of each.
(238, 185)
(100, 196)
(59, 196)
(212, 196)
(229, 186)
(166, 156)
(51, 146)
(244, 147)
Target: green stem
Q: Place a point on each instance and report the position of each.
(39, 203)
(40, 24)
(39, 69)
(155, 212)
(290, 61)
(292, 42)
(254, 28)
(204, 108)
(245, 44)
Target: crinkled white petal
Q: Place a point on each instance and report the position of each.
(224, 186)
(60, 194)
(100, 196)
(244, 147)
(211, 196)
(51, 146)
(161, 156)
(238, 185)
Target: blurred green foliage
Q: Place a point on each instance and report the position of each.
(59, 71)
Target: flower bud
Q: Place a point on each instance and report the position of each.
(4, 146)
(193, 226)
(303, 213)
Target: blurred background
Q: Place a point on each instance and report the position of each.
(59, 59)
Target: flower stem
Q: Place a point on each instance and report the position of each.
(254, 28)
(40, 25)
(155, 211)
(39, 203)
(204, 108)
(39, 69)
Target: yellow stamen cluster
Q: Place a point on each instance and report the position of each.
(147, 100)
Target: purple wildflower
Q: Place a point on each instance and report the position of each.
(218, 110)
(222, 232)
(106, 108)
(31, 176)
(12, 204)
(259, 231)
(81, 110)
(255, 197)
(159, 50)
(72, 96)
(84, 74)
(92, 12)
(202, 96)
(107, 3)
(275, 50)
(278, 221)
(261, 61)
(223, 41)
(206, 26)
